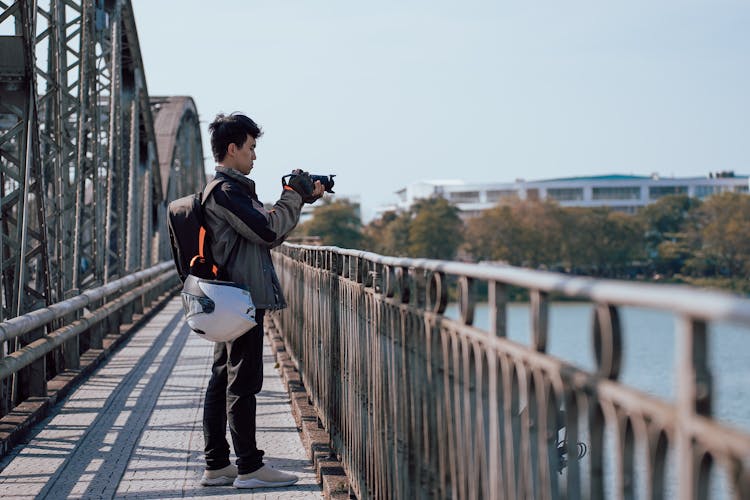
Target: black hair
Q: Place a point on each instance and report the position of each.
(231, 129)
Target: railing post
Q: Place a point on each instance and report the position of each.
(114, 321)
(72, 353)
(32, 380)
(417, 279)
(138, 304)
(126, 314)
(467, 299)
(497, 300)
(97, 331)
(693, 398)
(71, 349)
(539, 319)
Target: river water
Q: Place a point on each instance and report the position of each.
(648, 350)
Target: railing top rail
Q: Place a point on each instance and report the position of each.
(692, 303)
(20, 325)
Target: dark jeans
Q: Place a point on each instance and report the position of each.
(237, 376)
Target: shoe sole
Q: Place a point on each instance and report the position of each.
(257, 483)
(218, 481)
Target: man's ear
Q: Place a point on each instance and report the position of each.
(232, 149)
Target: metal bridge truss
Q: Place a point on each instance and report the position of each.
(82, 188)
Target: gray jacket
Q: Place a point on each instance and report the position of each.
(243, 232)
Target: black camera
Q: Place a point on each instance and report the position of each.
(325, 180)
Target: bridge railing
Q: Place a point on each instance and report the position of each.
(419, 405)
(76, 325)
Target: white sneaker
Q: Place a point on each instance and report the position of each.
(219, 477)
(265, 477)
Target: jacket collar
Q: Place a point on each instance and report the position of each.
(233, 174)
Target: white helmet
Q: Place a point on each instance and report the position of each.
(219, 311)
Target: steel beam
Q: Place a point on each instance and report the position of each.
(82, 191)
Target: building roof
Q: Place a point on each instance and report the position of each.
(610, 177)
(622, 177)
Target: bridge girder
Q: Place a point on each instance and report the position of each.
(82, 191)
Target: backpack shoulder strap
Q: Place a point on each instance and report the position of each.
(203, 248)
(209, 189)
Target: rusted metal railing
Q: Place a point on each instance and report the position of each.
(422, 406)
(79, 323)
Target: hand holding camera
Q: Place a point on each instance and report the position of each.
(310, 187)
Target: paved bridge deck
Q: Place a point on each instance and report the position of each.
(133, 429)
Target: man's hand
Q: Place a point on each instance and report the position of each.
(302, 183)
(318, 190)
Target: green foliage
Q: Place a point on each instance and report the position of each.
(664, 240)
(389, 235)
(675, 239)
(543, 235)
(336, 223)
(720, 237)
(601, 242)
(676, 236)
(431, 229)
(737, 285)
(436, 231)
(525, 233)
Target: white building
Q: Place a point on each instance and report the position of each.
(625, 193)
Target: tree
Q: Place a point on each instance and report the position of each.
(664, 222)
(336, 223)
(540, 236)
(667, 214)
(582, 251)
(490, 236)
(388, 235)
(525, 233)
(720, 237)
(432, 228)
(601, 242)
(436, 231)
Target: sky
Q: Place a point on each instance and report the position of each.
(384, 94)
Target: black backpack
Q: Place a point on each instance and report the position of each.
(189, 235)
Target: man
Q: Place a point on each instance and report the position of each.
(242, 234)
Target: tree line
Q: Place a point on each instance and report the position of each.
(677, 238)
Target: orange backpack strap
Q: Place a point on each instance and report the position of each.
(201, 241)
(201, 254)
(202, 232)
(200, 258)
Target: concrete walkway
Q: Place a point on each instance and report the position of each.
(133, 429)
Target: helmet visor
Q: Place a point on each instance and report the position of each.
(193, 304)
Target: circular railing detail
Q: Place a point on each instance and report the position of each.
(607, 337)
(437, 293)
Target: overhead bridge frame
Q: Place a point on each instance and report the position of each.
(85, 174)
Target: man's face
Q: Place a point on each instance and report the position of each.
(242, 158)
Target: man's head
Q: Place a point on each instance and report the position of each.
(233, 141)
